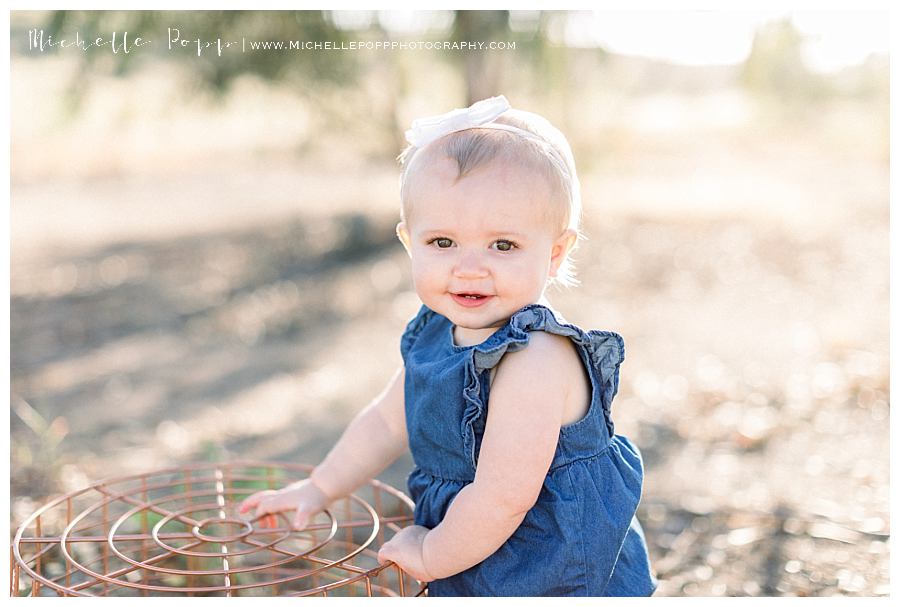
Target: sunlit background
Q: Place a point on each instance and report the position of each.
(204, 267)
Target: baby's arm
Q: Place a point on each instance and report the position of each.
(372, 441)
(522, 429)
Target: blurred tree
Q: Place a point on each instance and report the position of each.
(481, 69)
(776, 67)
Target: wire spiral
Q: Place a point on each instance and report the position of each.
(176, 532)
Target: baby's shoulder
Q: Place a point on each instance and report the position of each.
(548, 345)
(551, 366)
(546, 353)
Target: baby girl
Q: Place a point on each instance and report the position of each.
(521, 486)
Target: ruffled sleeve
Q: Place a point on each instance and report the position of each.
(605, 350)
(413, 328)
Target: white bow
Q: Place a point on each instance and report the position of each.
(426, 130)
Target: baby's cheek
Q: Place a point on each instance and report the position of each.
(423, 280)
(417, 272)
(529, 269)
(425, 270)
(530, 279)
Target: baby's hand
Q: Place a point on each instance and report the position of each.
(405, 549)
(304, 497)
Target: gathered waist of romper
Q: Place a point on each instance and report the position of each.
(561, 460)
(419, 471)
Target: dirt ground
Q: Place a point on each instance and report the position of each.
(156, 322)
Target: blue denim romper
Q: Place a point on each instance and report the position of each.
(581, 538)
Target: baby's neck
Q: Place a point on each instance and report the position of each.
(472, 337)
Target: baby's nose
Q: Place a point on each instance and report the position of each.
(470, 264)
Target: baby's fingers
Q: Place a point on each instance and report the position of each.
(272, 503)
(387, 553)
(253, 500)
(301, 520)
(384, 555)
(267, 521)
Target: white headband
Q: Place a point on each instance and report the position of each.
(480, 114)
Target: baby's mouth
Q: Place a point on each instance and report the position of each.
(470, 299)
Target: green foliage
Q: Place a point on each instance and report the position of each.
(776, 68)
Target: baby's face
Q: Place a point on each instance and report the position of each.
(481, 247)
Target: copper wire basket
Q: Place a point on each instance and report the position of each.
(177, 532)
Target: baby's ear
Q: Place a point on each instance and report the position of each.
(403, 235)
(561, 249)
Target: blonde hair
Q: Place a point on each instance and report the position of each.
(542, 147)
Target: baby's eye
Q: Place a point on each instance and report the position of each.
(441, 242)
(504, 245)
